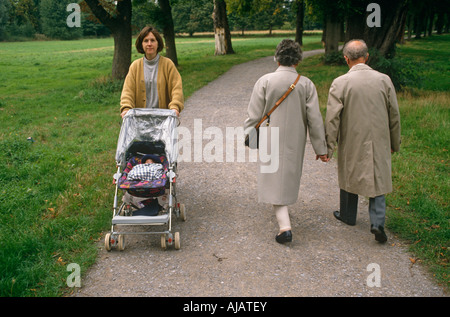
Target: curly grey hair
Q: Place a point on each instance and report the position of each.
(288, 53)
(355, 49)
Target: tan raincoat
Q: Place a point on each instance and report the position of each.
(363, 119)
(279, 183)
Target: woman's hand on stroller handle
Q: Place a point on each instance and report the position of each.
(124, 112)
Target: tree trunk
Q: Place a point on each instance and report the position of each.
(122, 52)
(221, 29)
(440, 22)
(342, 32)
(410, 24)
(355, 27)
(119, 23)
(384, 38)
(324, 32)
(169, 31)
(333, 32)
(430, 25)
(299, 21)
(401, 33)
(419, 21)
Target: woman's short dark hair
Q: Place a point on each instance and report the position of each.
(144, 32)
(288, 53)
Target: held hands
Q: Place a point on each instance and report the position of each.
(323, 158)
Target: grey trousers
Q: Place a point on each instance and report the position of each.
(349, 208)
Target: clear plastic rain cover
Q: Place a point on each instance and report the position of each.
(142, 124)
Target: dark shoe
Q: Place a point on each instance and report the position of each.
(337, 215)
(284, 237)
(379, 233)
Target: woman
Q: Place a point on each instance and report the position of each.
(152, 81)
(298, 114)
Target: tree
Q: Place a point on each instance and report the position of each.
(332, 13)
(19, 19)
(272, 11)
(382, 38)
(28, 10)
(385, 37)
(221, 29)
(160, 15)
(116, 16)
(262, 14)
(193, 16)
(299, 7)
(443, 15)
(333, 18)
(92, 26)
(54, 20)
(4, 18)
(168, 30)
(356, 20)
(241, 13)
(357, 14)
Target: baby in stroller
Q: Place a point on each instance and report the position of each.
(149, 169)
(144, 179)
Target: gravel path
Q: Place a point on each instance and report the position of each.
(227, 243)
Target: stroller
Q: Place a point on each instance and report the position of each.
(146, 131)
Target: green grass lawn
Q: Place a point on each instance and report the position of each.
(419, 206)
(56, 191)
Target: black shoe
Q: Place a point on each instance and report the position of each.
(379, 233)
(284, 237)
(337, 215)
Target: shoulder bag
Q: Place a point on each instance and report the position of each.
(250, 138)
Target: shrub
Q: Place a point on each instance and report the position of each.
(335, 58)
(402, 71)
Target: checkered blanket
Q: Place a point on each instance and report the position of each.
(146, 172)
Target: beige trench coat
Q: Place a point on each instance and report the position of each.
(363, 119)
(298, 114)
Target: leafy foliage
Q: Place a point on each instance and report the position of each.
(54, 16)
(403, 71)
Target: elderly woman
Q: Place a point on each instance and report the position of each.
(152, 81)
(298, 114)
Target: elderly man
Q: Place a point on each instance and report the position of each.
(363, 118)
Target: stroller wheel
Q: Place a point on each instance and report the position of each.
(163, 241)
(183, 212)
(121, 242)
(177, 241)
(108, 242)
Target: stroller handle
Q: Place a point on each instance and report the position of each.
(138, 112)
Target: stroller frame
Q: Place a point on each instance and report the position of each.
(122, 215)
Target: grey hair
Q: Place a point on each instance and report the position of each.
(354, 50)
(288, 53)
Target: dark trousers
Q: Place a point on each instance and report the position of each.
(349, 208)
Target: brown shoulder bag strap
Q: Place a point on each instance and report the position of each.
(267, 116)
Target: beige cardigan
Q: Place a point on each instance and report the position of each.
(170, 88)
